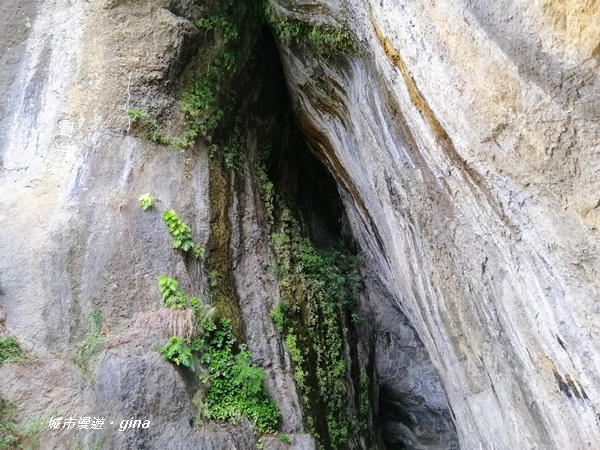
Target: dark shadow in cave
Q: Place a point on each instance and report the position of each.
(307, 187)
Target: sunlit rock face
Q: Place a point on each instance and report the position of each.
(464, 140)
(465, 137)
(75, 240)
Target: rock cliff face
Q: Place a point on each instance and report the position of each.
(75, 240)
(463, 138)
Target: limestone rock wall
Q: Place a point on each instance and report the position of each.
(466, 138)
(74, 239)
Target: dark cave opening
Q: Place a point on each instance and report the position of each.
(408, 421)
(305, 185)
(392, 414)
(302, 180)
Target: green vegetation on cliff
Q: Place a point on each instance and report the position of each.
(87, 351)
(16, 436)
(182, 234)
(210, 103)
(236, 384)
(10, 350)
(317, 302)
(316, 313)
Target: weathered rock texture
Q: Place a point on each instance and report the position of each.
(75, 240)
(466, 137)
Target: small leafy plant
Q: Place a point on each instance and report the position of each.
(182, 234)
(93, 342)
(13, 435)
(10, 350)
(173, 297)
(148, 125)
(146, 201)
(178, 351)
(278, 316)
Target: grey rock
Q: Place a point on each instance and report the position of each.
(472, 198)
(464, 138)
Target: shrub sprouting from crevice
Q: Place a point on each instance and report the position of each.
(10, 350)
(237, 385)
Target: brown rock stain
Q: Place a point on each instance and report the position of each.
(219, 259)
(415, 95)
(326, 95)
(436, 127)
(572, 385)
(567, 384)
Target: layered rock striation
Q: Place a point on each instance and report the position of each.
(464, 142)
(465, 138)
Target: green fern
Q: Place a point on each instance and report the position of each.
(182, 234)
(177, 351)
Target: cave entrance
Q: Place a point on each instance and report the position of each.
(398, 418)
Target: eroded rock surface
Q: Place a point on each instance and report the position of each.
(464, 139)
(76, 241)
